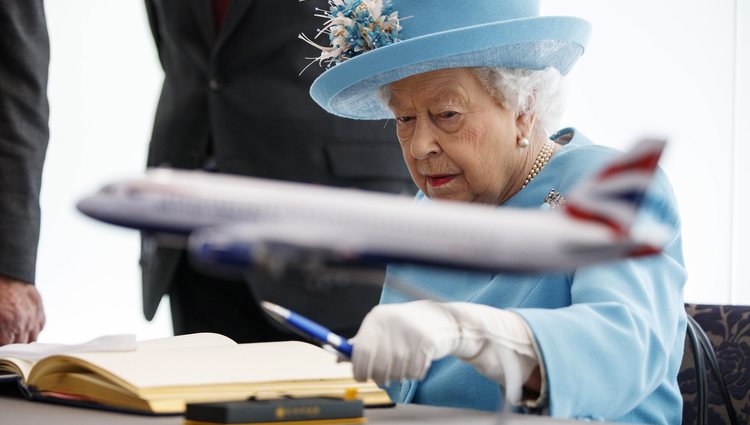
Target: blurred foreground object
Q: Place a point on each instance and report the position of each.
(247, 222)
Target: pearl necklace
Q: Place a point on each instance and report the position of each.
(541, 160)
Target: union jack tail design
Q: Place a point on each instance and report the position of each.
(614, 195)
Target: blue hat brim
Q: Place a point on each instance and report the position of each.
(351, 88)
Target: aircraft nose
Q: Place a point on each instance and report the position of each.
(93, 206)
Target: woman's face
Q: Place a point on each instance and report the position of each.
(458, 142)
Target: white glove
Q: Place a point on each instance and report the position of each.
(400, 341)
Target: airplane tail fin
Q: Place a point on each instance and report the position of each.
(614, 195)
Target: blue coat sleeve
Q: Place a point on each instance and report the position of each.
(620, 341)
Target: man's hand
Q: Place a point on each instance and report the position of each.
(21, 312)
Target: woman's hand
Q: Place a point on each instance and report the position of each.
(400, 341)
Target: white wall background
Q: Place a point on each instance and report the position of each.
(674, 68)
(104, 82)
(741, 172)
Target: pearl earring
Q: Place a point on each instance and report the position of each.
(523, 143)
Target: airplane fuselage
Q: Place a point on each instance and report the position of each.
(353, 224)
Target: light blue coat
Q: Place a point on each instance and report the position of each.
(610, 336)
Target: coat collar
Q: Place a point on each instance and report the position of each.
(204, 16)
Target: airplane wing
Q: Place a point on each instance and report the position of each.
(269, 243)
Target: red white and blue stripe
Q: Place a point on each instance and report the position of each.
(613, 197)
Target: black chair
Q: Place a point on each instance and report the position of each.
(723, 389)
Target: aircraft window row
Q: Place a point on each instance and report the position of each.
(231, 211)
(401, 226)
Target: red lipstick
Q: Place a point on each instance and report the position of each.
(440, 179)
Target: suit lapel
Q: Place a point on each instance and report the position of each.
(237, 9)
(205, 19)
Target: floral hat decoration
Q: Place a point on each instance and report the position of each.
(377, 42)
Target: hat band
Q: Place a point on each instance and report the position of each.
(359, 97)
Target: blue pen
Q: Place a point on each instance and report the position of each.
(308, 328)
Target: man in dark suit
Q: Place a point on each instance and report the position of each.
(24, 132)
(233, 101)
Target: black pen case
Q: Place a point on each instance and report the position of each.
(277, 411)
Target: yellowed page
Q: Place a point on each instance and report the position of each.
(71, 362)
(152, 368)
(20, 358)
(170, 372)
(13, 366)
(93, 387)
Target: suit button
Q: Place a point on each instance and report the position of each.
(214, 84)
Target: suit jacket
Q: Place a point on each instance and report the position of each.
(237, 94)
(24, 132)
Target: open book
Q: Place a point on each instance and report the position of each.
(163, 375)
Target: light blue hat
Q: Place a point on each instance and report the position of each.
(439, 34)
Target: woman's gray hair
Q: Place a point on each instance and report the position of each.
(524, 91)
(527, 91)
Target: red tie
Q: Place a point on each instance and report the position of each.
(220, 10)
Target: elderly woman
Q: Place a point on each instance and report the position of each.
(475, 89)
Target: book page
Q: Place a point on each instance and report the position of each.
(153, 368)
(204, 339)
(13, 366)
(20, 358)
(34, 351)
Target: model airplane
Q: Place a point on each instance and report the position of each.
(246, 221)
